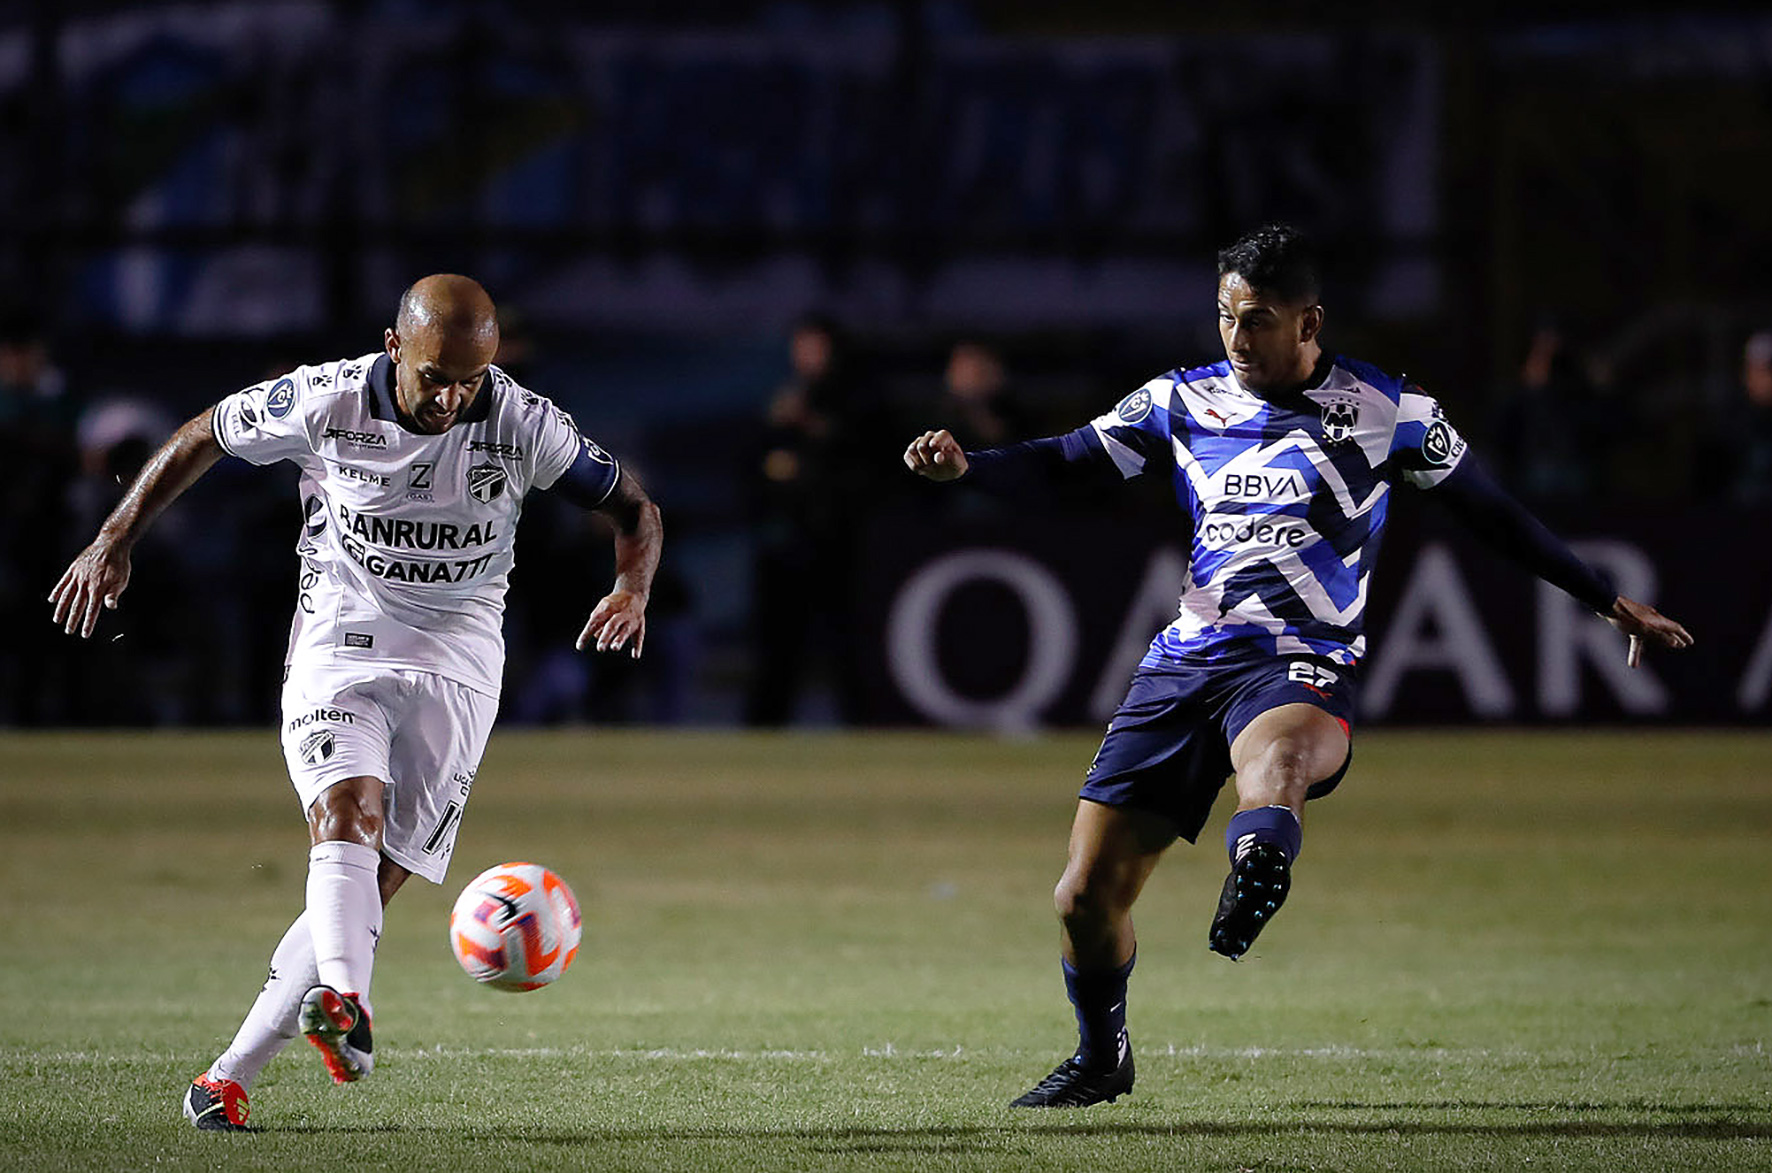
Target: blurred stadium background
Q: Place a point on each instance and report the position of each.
(755, 246)
(1008, 213)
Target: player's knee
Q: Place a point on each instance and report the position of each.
(344, 813)
(1283, 772)
(1287, 762)
(1084, 902)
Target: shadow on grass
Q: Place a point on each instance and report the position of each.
(987, 1137)
(1632, 1106)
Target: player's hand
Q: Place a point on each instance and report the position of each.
(95, 580)
(937, 456)
(1642, 622)
(618, 619)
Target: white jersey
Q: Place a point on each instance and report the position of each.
(406, 541)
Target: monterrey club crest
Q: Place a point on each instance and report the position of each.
(485, 482)
(1340, 418)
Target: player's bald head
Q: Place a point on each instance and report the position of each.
(444, 337)
(455, 307)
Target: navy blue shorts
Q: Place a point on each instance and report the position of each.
(1168, 748)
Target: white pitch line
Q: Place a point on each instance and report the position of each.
(891, 1051)
(885, 1050)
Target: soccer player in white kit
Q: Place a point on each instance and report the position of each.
(413, 465)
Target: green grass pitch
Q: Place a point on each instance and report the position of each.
(1503, 951)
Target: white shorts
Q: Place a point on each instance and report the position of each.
(420, 733)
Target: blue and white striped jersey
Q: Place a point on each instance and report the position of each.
(1288, 499)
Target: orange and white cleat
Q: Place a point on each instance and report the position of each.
(338, 1026)
(217, 1105)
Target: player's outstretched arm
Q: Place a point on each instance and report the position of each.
(937, 456)
(620, 616)
(100, 574)
(1505, 525)
(1028, 470)
(1642, 622)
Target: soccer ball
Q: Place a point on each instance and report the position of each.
(515, 927)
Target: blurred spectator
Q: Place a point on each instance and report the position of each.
(1739, 454)
(828, 451)
(157, 677)
(977, 404)
(550, 681)
(37, 434)
(1552, 433)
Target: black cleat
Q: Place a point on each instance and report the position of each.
(1253, 893)
(216, 1105)
(1072, 1085)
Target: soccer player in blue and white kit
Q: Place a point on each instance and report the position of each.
(1283, 457)
(414, 463)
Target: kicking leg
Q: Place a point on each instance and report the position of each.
(1112, 853)
(345, 917)
(217, 1099)
(1277, 757)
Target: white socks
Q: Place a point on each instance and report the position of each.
(341, 925)
(271, 1022)
(344, 914)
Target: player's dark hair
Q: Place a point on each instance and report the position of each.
(1278, 260)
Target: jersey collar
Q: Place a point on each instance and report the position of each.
(381, 394)
(1324, 377)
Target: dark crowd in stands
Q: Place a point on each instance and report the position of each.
(200, 638)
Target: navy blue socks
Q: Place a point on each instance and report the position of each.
(1100, 1001)
(1268, 824)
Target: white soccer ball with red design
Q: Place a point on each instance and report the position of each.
(515, 927)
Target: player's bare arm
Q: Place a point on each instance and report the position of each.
(98, 576)
(620, 616)
(937, 456)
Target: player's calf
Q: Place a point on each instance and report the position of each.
(1101, 1070)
